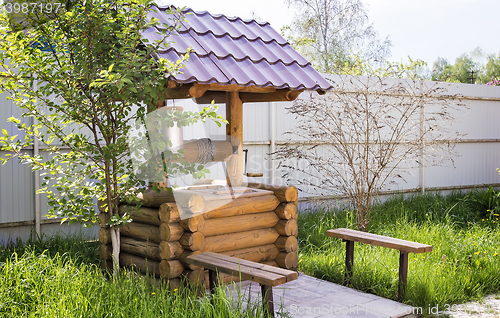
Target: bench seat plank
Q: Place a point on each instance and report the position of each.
(234, 269)
(290, 275)
(379, 240)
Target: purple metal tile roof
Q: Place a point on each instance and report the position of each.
(229, 50)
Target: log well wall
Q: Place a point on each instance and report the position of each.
(259, 226)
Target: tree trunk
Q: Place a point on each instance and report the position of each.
(115, 243)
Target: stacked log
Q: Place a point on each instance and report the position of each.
(149, 244)
(287, 225)
(259, 226)
(243, 227)
(287, 241)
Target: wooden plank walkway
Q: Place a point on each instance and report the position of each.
(309, 297)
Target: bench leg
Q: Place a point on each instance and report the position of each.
(212, 280)
(403, 273)
(267, 299)
(349, 260)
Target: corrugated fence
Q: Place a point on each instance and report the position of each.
(264, 128)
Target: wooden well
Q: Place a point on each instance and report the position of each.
(260, 225)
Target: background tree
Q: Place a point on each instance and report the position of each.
(84, 77)
(441, 70)
(465, 64)
(331, 33)
(353, 140)
(460, 72)
(413, 69)
(491, 69)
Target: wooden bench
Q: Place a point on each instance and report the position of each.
(404, 247)
(267, 276)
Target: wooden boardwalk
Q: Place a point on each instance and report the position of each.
(309, 297)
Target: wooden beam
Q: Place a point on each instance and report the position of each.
(237, 88)
(182, 92)
(209, 96)
(234, 115)
(199, 90)
(281, 95)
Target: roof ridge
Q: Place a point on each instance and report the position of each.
(215, 16)
(171, 48)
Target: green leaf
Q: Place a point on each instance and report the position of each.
(13, 120)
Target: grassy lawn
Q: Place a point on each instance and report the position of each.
(463, 230)
(59, 277)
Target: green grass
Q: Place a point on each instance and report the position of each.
(463, 265)
(59, 277)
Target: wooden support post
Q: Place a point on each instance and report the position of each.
(349, 260)
(267, 299)
(212, 280)
(403, 273)
(234, 115)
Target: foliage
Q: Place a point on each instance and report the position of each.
(461, 267)
(83, 79)
(333, 33)
(492, 69)
(413, 69)
(356, 139)
(460, 72)
(488, 201)
(465, 64)
(58, 285)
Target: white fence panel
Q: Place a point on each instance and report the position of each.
(265, 125)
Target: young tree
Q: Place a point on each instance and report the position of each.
(84, 76)
(353, 140)
(330, 33)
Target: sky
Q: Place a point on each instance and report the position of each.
(421, 29)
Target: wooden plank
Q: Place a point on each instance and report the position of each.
(379, 240)
(256, 275)
(290, 275)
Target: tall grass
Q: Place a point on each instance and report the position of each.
(59, 277)
(462, 266)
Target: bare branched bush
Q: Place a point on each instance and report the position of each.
(361, 136)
